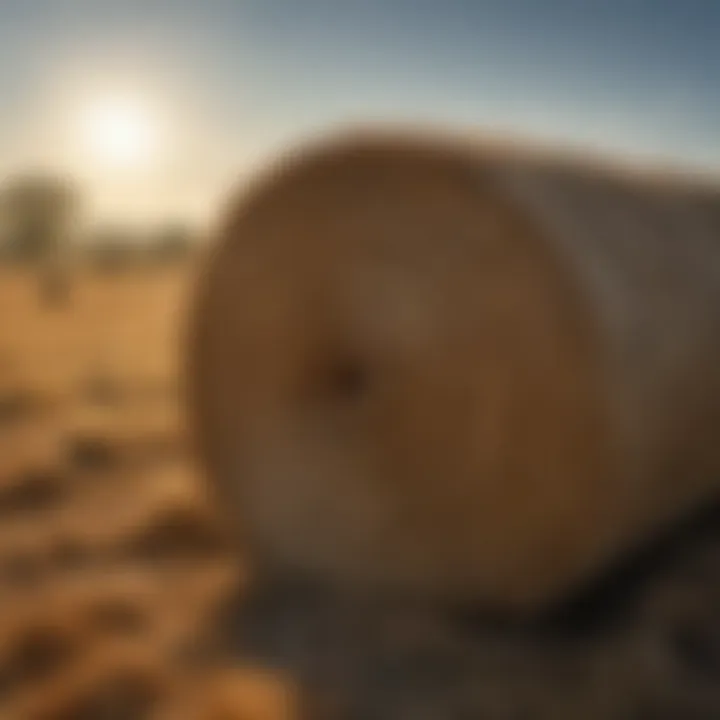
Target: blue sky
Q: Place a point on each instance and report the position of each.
(237, 77)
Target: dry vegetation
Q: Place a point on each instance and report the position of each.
(112, 567)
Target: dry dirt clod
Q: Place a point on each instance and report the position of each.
(34, 491)
(87, 452)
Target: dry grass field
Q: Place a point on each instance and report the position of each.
(113, 567)
(111, 564)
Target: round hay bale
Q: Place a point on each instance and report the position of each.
(464, 371)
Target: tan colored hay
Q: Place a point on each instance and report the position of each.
(467, 372)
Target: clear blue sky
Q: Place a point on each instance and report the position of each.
(242, 75)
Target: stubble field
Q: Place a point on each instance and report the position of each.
(112, 565)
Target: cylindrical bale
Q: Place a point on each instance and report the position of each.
(463, 371)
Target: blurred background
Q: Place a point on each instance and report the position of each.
(123, 127)
(150, 109)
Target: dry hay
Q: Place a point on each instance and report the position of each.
(463, 372)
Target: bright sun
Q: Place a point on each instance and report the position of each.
(119, 132)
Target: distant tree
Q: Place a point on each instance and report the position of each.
(38, 214)
(111, 249)
(171, 243)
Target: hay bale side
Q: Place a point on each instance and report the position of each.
(461, 372)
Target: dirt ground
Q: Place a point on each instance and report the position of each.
(113, 568)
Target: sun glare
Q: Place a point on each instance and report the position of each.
(119, 132)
